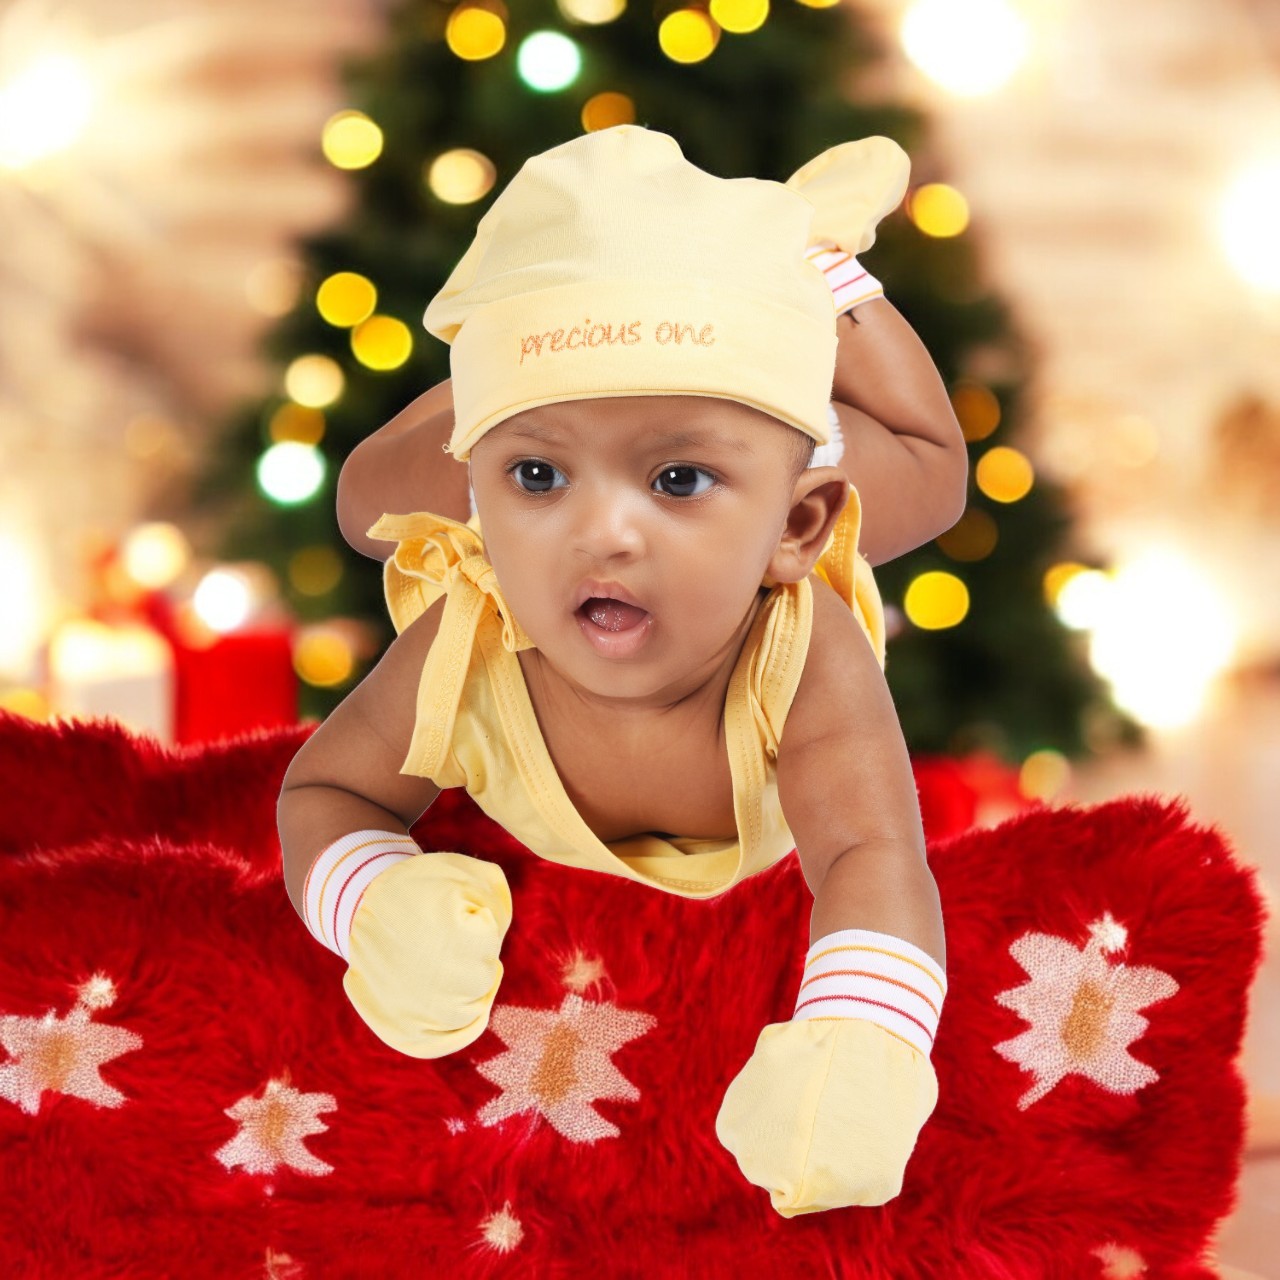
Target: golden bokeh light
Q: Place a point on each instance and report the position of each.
(155, 554)
(1044, 774)
(740, 16)
(382, 342)
(31, 704)
(351, 140)
(1004, 474)
(605, 110)
(939, 210)
(323, 657)
(296, 422)
(819, 4)
(972, 537)
(314, 381)
(976, 409)
(460, 176)
(936, 600)
(688, 35)
(594, 12)
(315, 571)
(1056, 578)
(477, 30)
(346, 298)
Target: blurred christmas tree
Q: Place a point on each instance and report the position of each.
(461, 96)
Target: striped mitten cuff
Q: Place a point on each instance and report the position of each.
(858, 973)
(339, 876)
(849, 281)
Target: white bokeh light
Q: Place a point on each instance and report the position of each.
(223, 600)
(43, 109)
(968, 47)
(291, 472)
(1246, 224)
(548, 61)
(1164, 636)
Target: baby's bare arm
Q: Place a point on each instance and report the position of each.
(402, 468)
(903, 448)
(346, 777)
(848, 792)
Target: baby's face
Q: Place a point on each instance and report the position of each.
(610, 490)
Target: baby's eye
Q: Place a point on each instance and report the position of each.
(539, 474)
(681, 483)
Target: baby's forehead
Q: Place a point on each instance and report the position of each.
(650, 421)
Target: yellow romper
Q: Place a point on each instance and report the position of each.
(475, 725)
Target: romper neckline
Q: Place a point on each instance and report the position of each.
(746, 766)
(740, 739)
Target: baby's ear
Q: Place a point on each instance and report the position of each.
(819, 496)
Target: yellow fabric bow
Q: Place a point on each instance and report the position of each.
(434, 554)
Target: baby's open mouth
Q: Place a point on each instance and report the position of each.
(612, 615)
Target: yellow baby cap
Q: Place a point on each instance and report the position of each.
(611, 266)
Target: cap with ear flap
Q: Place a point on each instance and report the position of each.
(611, 266)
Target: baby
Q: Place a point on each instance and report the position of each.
(663, 659)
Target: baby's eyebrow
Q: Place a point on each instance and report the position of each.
(665, 439)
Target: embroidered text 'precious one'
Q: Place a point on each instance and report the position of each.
(587, 336)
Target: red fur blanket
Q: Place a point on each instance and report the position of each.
(184, 1090)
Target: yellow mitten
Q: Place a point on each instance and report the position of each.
(421, 933)
(853, 186)
(826, 1112)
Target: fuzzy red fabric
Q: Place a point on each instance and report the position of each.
(185, 1091)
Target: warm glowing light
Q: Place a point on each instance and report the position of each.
(461, 176)
(1044, 774)
(936, 600)
(594, 12)
(740, 16)
(976, 409)
(1082, 598)
(223, 600)
(382, 342)
(315, 381)
(346, 298)
(548, 61)
(43, 110)
(819, 4)
(1246, 224)
(972, 537)
(290, 473)
(351, 140)
(1163, 638)
(273, 287)
(968, 47)
(688, 35)
(20, 576)
(156, 554)
(1004, 474)
(83, 648)
(28, 703)
(323, 657)
(477, 31)
(939, 210)
(1056, 578)
(315, 571)
(293, 421)
(605, 110)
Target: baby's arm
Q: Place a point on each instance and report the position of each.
(904, 451)
(848, 793)
(346, 777)
(400, 468)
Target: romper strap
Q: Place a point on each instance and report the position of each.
(437, 556)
